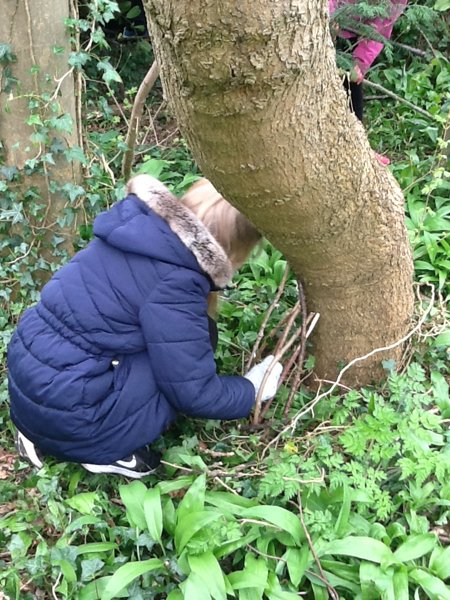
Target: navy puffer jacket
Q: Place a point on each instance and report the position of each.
(119, 342)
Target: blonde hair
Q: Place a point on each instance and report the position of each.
(230, 228)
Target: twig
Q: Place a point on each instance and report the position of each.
(383, 90)
(278, 353)
(333, 592)
(301, 355)
(430, 45)
(256, 551)
(411, 49)
(271, 308)
(55, 585)
(292, 425)
(227, 487)
(136, 113)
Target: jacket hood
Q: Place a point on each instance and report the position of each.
(127, 227)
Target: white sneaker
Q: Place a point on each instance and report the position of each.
(27, 450)
(139, 464)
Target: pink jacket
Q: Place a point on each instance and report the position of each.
(366, 51)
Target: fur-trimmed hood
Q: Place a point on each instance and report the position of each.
(184, 223)
(126, 227)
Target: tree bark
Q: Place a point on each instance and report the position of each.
(37, 35)
(256, 92)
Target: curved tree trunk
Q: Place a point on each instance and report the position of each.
(256, 92)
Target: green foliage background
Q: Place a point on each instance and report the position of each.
(353, 502)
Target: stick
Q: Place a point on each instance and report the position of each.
(332, 591)
(301, 356)
(278, 353)
(271, 308)
(383, 90)
(411, 49)
(136, 113)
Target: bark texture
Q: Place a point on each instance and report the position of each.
(256, 92)
(34, 29)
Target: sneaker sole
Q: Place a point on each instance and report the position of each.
(116, 470)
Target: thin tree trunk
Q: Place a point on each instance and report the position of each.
(255, 89)
(36, 33)
(139, 102)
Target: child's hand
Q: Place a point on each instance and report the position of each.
(257, 373)
(356, 75)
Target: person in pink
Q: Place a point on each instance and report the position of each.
(365, 51)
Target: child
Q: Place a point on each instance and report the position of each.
(365, 51)
(119, 342)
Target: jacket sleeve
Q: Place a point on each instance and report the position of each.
(175, 327)
(366, 50)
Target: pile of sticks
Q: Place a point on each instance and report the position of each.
(291, 334)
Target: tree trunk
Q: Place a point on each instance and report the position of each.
(44, 94)
(256, 92)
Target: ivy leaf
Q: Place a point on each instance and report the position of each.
(88, 569)
(109, 72)
(78, 59)
(84, 502)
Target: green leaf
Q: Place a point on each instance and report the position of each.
(440, 562)
(375, 580)
(442, 5)
(194, 499)
(400, 580)
(320, 592)
(81, 522)
(95, 589)
(153, 167)
(83, 503)
(342, 521)
(175, 595)
(109, 72)
(280, 517)
(194, 588)
(96, 547)
(362, 547)
(208, 569)
(440, 389)
(67, 570)
(297, 560)
(274, 591)
(134, 12)
(191, 523)
(127, 573)
(132, 496)
(251, 594)
(443, 339)
(167, 487)
(415, 547)
(228, 502)
(434, 587)
(153, 513)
